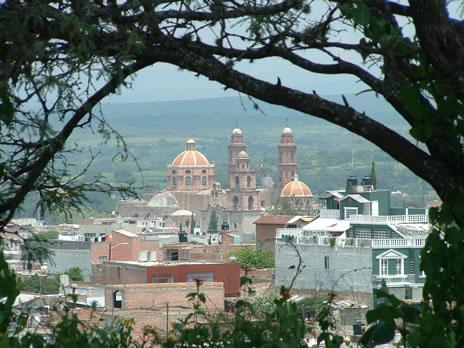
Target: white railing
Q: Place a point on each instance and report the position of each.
(398, 243)
(329, 213)
(369, 219)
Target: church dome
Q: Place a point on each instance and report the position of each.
(242, 154)
(287, 130)
(163, 200)
(191, 156)
(237, 131)
(296, 188)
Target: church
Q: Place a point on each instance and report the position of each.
(192, 187)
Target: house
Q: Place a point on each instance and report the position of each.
(266, 227)
(135, 272)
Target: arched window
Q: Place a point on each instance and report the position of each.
(204, 180)
(250, 203)
(248, 181)
(188, 180)
(235, 202)
(117, 299)
(237, 181)
(174, 180)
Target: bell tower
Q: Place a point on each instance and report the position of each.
(287, 163)
(236, 146)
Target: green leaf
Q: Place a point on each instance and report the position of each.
(379, 333)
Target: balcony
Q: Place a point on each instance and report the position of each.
(398, 243)
(329, 213)
(387, 219)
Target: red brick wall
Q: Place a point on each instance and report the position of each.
(226, 273)
(155, 296)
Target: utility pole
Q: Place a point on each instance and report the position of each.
(167, 317)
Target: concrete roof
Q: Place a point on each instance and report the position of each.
(326, 224)
(273, 220)
(411, 230)
(357, 198)
(126, 233)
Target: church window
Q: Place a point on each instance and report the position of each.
(188, 172)
(237, 181)
(203, 171)
(235, 202)
(250, 203)
(204, 180)
(188, 180)
(248, 181)
(174, 180)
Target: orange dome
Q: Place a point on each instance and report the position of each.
(296, 188)
(190, 157)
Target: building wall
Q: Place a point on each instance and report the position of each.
(67, 254)
(156, 296)
(265, 237)
(118, 273)
(227, 273)
(349, 268)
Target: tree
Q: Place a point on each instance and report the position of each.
(373, 175)
(47, 48)
(213, 222)
(253, 259)
(35, 249)
(75, 274)
(284, 206)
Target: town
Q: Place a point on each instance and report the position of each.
(144, 260)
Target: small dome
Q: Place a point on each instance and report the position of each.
(190, 157)
(287, 130)
(237, 131)
(163, 200)
(296, 188)
(242, 154)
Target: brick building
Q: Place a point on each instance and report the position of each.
(133, 272)
(125, 246)
(266, 227)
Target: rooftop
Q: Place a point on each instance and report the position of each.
(167, 263)
(273, 220)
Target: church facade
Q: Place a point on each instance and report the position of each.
(191, 185)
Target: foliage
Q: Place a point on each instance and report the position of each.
(35, 249)
(253, 259)
(213, 222)
(264, 304)
(373, 175)
(75, 274)
(283, 206)
(48, 235)
(39, 284)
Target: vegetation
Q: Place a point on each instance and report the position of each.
(213, 222)
(40, 284)
(253, 259)
(75, 274)
(35, 249)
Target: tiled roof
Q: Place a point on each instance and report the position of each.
(273, 220)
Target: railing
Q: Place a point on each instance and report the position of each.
(422, 218)
(398, 243)
(329, 213)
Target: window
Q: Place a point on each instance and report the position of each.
(248, 181)
(381, 234)
(350, 211)
(188, 180)
(383, 267)
(326, 262)
(408, 293)
(235, 202)
(250, 203)
(102, 259)
(162, 278)
(204, 180)
(237, 181)
(174, 180)
(398, 266)
(117, 299)
(204, 276)
(363, 234)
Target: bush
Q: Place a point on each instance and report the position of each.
(40, 285)
(75, 274)
(252, 258)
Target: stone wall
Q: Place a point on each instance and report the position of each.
(67, 254)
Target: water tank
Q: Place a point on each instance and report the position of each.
(352, 181)
(366, 180)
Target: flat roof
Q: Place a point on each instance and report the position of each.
(167, 263)
(327, 224)
(273, 220)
